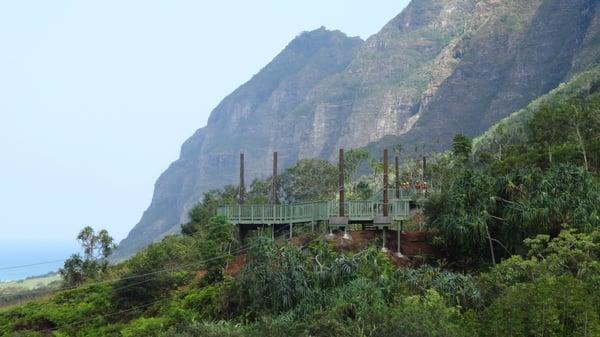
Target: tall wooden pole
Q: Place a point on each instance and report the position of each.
(274, 198)
(385, 182)
(242, 187)
(424, 174)
(397, 176)
(424, 167)
(342, 211)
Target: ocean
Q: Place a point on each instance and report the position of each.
(19, 260)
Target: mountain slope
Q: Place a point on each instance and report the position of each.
(515, 52)
(209, 158)
(439, 67)
(512, 129)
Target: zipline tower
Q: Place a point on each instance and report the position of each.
(242, 191)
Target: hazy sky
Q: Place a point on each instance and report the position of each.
(96, 97)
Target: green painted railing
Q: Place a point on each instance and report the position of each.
(269, 214)
(355, 210)
(366, 210)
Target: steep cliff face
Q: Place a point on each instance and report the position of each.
(512, 53)
(383, 88)
(439, 67)
(244, 121)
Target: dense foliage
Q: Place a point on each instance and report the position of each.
(490, 202)
(517, 229)
(315, 290)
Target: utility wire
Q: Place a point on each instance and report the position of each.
(170, 269)
(78, 323)
(139, 306)
(30, 265)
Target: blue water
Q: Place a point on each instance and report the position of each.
(13, 254)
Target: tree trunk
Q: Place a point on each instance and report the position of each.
(487, 230)
(582, 145)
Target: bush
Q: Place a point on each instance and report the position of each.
(208, 329)
(144, 327)
(427, 316)
(551, 306)
(152, 272)
(457, 289)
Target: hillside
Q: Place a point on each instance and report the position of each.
(506, 244)
(512, 129)
(438, 68)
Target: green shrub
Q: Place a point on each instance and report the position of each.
(144, 327)
(427, 316)
(551, 306)
(208, 329)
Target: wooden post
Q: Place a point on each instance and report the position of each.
(424, 167)
(341, 183)
(397, 176)
(274, 198)
(385, 183)
(424, 175)
(242, 187)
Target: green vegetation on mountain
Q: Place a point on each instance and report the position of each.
(438, 68)
(513, 219)
(517, 233)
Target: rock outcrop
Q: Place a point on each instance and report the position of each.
(439, 67)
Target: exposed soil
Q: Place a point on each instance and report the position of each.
(412, 243)
(235, 266)
(414, 247)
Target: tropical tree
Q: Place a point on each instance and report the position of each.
(96, 248)
(203, 212)
(353, 160)
(462, 147)
(215, 242)
(309, 179)
(460, 216)
(275, 277)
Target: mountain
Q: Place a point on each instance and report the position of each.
(513, 129)
(438, 68)
(241, 122)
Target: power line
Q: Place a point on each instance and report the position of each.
(139, 306)
(170, 269)
(31, 265)
(108, 314)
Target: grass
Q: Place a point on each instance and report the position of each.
(18, 292)
(31, 283)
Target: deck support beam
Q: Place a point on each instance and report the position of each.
(384, 239)
(399, 238)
